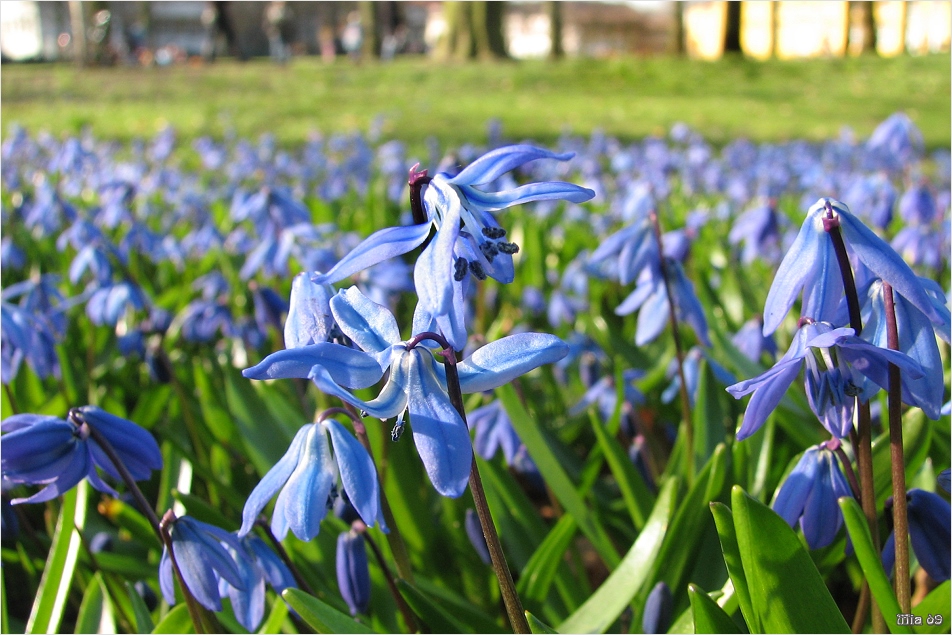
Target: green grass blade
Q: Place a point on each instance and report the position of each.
(787, 591)
(724, 520)
(60, 564)
(539, 627)
(177, 620)
(559, 482)
(611, 598)
(708, 616)
(870, 561)
(638, 498)
(322, 617)
(935, 605)
(279, 613)
(537, 576)
(95, 612)
(435, 616)
(141, 613)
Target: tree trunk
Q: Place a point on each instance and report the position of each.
(774, 29)
(473, 29)
(77, 22)
(902, 26)
(862, 22)
(370, 46)
(680, 46)
(556, 52)
(732, 28)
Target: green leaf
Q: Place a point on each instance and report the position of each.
(638, 498)
(128, 517)
(279, 613)
(264, 439)
(617, 591)
(537, 575)
(322, 617)
(559, 482)
(787, 592)
(141, 614)
(936, 605)
(710, 427)
(708, 616)
(95, 612)
(200, 510)
(177, 620)
(60, 564)
(724, 520)
(459, 607)
(538, 626)
(870, 561)
(435, 616)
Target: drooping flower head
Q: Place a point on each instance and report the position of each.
(416, 382)
(307, 478)
(468, 239)
(810, 492)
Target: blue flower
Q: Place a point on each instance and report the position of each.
(916, 339)
(692, 368)
(416, 382)
(658, 610)
(810, 492)
(468, 239)
(759, 229)
(353, 574)
(257, 564)
(837, 362)
(202, 558)
(57, 453)
(307, 477)
(651, 297)
(929, 532)
(751, 341)
(810, 265)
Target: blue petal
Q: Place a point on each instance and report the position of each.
(433, 273)
(134, 445)
(272, 482)
(275, 571)
(166, 583)
(493, 201)
(886, 263)
(357, 474)
(347, 366)
(795, 491)
(371, 326)
(652, 317)
(379, 246)
(309, 315)
(929, 532)
(439, 433)
(190, 554)
(821, 514)
(74, 470)
(769, 388)
(494, 164)
(500, 362)
(304, 499)
(391, 401)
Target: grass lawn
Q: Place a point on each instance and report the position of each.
(629, 98)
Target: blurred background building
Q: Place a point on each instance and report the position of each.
(176, 32)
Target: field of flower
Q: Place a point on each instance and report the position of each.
(580, 384)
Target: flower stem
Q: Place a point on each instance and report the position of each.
(159, 527)
(863, 441)
(408, 617)
(283, 554)
(850, 474)
(517, 615)
(897, 462)
(679, 352)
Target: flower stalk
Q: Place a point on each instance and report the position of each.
(514, 609)
(897, 462)
(159, 527)
(679, 352)
(863, 439)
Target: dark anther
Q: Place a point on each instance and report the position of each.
(494, 232)
(852, 390)
(507, 248)
(477, 270)
(489, 250)
(459, 271)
